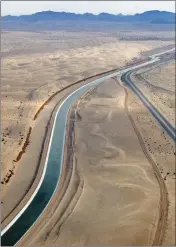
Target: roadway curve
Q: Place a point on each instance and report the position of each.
(171, 131)
(164, 200)
(49, 181)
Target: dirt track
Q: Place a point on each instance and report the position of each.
(164, 202)
(7, 177)
(58, 230)
(20, 154)
(164, 199)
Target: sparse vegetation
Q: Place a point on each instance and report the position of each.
(36, 65)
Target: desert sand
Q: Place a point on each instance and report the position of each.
(28, 80)
(117, 196)
(162, 150)
(162, 76)
(158, 84)
(34, 67)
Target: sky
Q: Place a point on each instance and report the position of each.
(95, 7)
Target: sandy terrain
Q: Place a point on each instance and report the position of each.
(162, 76)
(15, 43)
(162, 150)
(117, 197)
(23, 183)
(34, 67)
(158, 84)
(28, 81)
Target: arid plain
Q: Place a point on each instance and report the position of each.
(35, 65)
(158, 84)
(114, 195)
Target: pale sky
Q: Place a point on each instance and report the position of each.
(95, 7)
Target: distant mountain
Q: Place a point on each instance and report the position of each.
(154, 16)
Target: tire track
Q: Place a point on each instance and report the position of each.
(164, 200)
(84, 79)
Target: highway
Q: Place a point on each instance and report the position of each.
(49, 181)
(171, 131)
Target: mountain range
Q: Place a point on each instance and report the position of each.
(154, 16)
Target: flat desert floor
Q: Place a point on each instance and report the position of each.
(161, 149)
(113, 198)
(35, 65)
(158, 85)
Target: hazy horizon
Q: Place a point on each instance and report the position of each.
(78, 7)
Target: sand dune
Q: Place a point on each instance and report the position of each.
(27, 82)
(162, 150)
(33, 69)
(119, 201)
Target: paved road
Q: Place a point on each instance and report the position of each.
(157, 115)
(41, 197)
(164, 200)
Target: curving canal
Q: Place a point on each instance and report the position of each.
(24, 220)
(53, 169)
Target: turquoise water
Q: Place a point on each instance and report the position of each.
(43, 196)
(53, 170)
